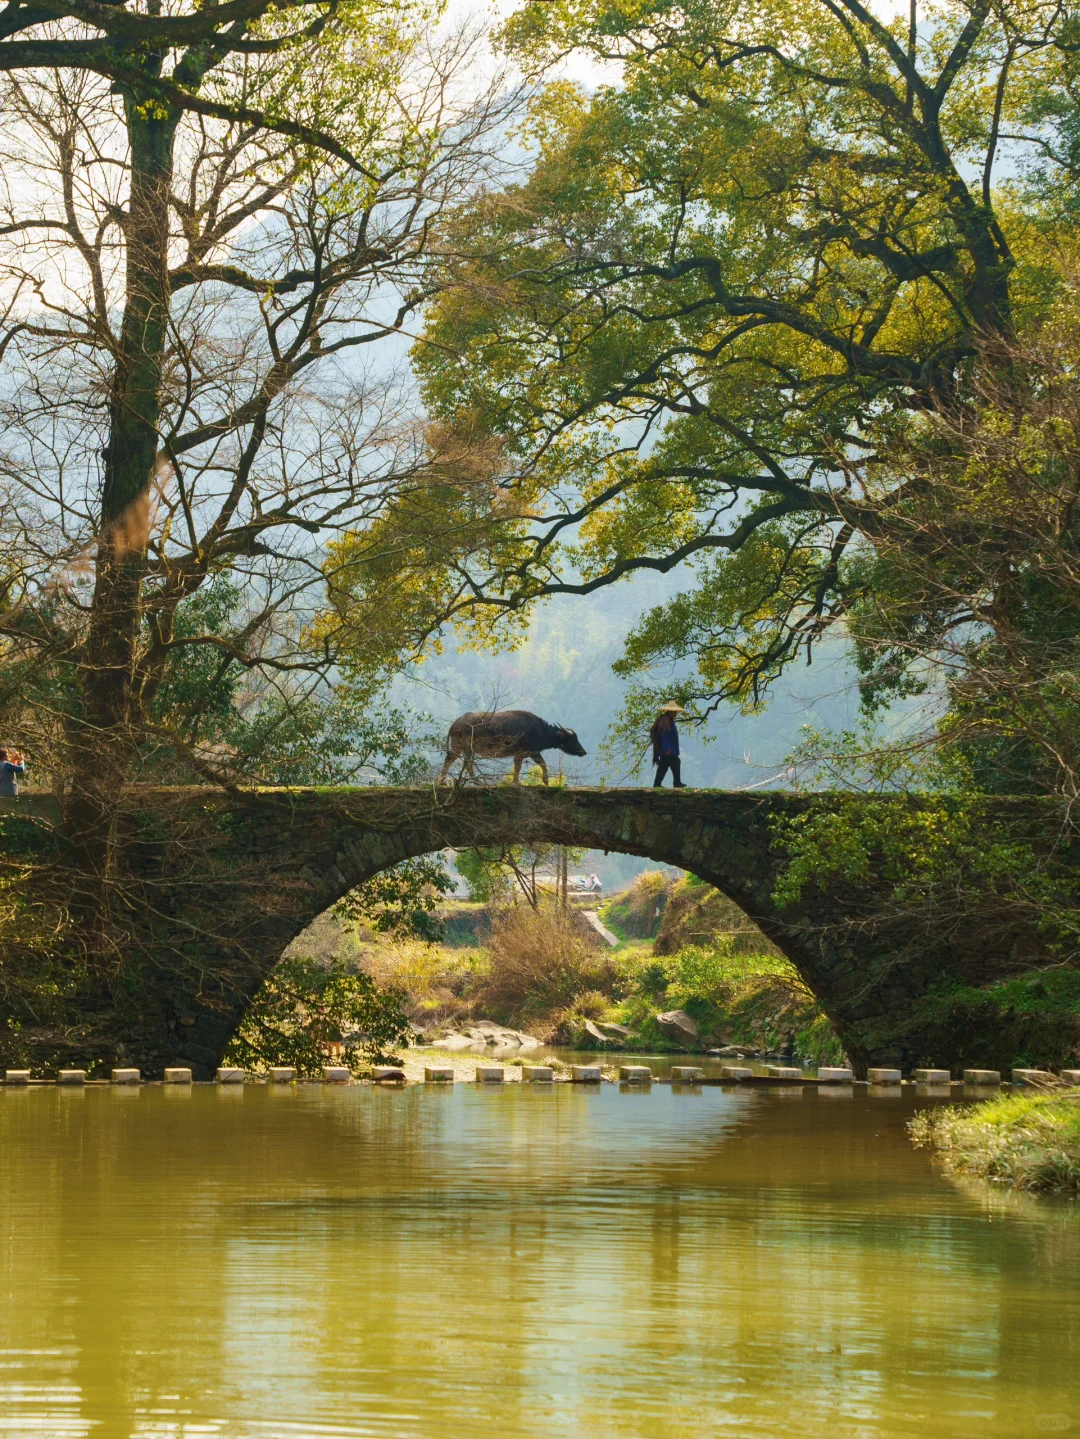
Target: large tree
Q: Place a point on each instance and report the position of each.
(209, 217)
(736, 283)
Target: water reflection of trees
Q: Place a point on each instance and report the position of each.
(416, 1262)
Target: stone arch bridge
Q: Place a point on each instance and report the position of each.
(225, 881)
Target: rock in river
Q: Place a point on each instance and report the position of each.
(608, 1033)
(486, 1032)
(678, 1024)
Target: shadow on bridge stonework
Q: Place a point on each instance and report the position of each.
(225, 881)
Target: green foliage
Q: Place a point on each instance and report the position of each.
(493, 875)
(1030, 1141)
(41, 977)
(754, 999)
(974, 587)
(653, 978)
(307, 1005)
(1053, 990)
(736, 278)
(486, 876)
(971, 596)
(402, 901)
(212, 712)
(931, 858)
(1029, 1019)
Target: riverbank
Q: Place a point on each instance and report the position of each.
(1029, 1141)
(688, 973)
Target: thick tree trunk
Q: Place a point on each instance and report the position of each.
(103, 738)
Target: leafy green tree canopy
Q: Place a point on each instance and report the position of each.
(778, 247)
(307, 1006)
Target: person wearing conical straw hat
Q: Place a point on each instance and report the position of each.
(665, 745)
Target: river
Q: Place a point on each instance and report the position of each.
(528, 1262)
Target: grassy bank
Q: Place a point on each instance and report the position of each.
(734, 997)
(1031, 1141)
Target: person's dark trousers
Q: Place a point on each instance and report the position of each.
(669, 762)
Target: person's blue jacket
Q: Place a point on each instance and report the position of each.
(9, 774)
(669, 740)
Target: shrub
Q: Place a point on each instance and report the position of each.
(653, 978)
(754, 999)
(307, 1005)
(541, 961)
(592, 1004)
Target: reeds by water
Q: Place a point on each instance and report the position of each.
(1030, 1141)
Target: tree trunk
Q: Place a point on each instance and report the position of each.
(103, 739)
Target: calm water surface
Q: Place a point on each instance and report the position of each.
(529, 1263)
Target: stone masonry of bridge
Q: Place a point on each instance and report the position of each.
(226, 881)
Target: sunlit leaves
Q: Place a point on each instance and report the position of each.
(311, 1011)
(402, 901)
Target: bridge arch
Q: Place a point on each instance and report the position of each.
(222, 882)
(289, 855)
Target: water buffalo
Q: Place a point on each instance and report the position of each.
(506, 734)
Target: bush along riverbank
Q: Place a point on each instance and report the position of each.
(1030, 1141)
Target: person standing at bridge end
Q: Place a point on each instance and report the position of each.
(11, 770)
(665, 745)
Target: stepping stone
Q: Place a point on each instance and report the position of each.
(1032, 1076)
(685, 1073)
(586, 1074)
(282, 1074)
(178, 1076)
(735, 1071)
(835, 1075)
(380, 1073)
(1067, 1076)
(982, 1076)
(883, 1076)
(71, 1076)
(336, 1074)
(635, 1073)
(439, 1073)
(537, 1073)
(782, 1071)
(17, 1076)
(228, 1075)
(490, 1074)
(932, 1076)
(126, 1076)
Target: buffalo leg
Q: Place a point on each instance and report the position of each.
(539, 759)
(517, 768)
(450, 758)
